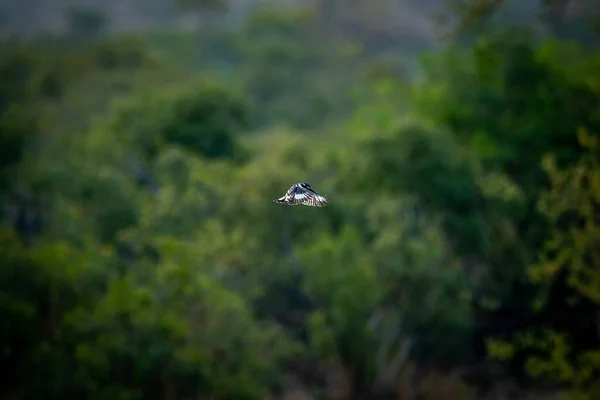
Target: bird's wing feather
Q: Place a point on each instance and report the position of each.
(309, 199)
(300, 196)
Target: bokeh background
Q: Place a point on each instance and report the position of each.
(143, 142)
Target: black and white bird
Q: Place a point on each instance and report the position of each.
(303, 194)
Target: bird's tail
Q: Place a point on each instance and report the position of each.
(280, 200)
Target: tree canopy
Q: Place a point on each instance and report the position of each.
(142, 256)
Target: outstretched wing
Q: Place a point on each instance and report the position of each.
(307, 198)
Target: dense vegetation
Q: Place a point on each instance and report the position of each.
(143, 257)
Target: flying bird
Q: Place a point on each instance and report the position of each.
(303, 194)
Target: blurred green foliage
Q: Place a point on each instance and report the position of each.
(143, 257)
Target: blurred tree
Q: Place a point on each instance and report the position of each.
(40, 288)
(28, 79)
(287, 71)
(16, 121)
(118, 54)
(529, 103)
(442, 181)
(85, 23)
(497, 101)
(343, 285)
(487, 107)
(206, 121)
(199, 116)
(575, 20)
(563, 346)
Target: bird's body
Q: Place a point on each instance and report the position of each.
(302, 194)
